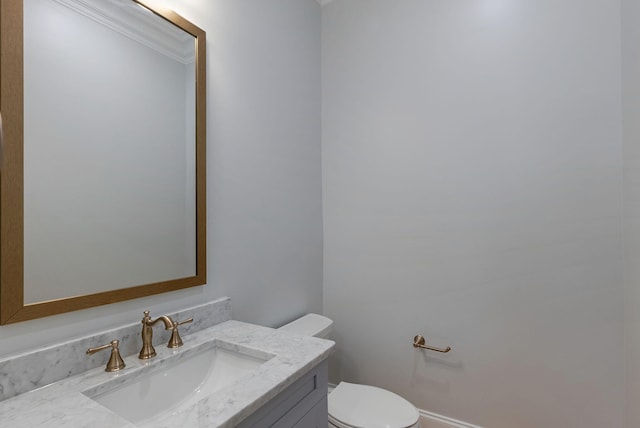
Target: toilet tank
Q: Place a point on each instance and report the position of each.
(309, 325)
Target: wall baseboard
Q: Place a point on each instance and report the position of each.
(434, 420)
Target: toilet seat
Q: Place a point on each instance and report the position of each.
(363, 406)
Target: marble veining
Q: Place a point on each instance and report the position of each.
(23, 373)
(66, 404)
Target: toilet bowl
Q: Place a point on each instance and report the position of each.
(353, 405)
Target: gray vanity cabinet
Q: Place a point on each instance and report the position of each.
(316, 417)
(301, 405)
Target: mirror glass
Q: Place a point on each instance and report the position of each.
(109, 148)
(103, 177)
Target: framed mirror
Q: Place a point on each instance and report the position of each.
(102, 179)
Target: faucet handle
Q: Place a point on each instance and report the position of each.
(115, 361)
(176, 341)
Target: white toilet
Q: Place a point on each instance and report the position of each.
(358, 406)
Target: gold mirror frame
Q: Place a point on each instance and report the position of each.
(12, 307)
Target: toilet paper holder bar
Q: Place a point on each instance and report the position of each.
(419, 342)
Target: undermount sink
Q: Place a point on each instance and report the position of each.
(177, 383)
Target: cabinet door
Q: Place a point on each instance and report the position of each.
(316, 417)
(291, 408)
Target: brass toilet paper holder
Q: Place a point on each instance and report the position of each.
(419, 342)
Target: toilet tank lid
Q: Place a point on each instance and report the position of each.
(309, 325)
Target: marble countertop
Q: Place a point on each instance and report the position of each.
(63, 404)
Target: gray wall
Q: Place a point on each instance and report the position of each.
(472, 194)
(266, 201)
(264, 174)
(631, 150)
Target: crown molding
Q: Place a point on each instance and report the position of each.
(138, 23)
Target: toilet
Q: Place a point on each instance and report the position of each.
(357, 406)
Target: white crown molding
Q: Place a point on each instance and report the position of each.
(139, 24)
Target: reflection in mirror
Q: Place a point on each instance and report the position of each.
(113, 146)
(109, 186)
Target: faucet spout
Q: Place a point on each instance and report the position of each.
(148, 351)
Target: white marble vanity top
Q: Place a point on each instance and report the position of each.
(63, 404)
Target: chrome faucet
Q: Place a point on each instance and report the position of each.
(148, 351)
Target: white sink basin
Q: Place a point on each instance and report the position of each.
(177, 384)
